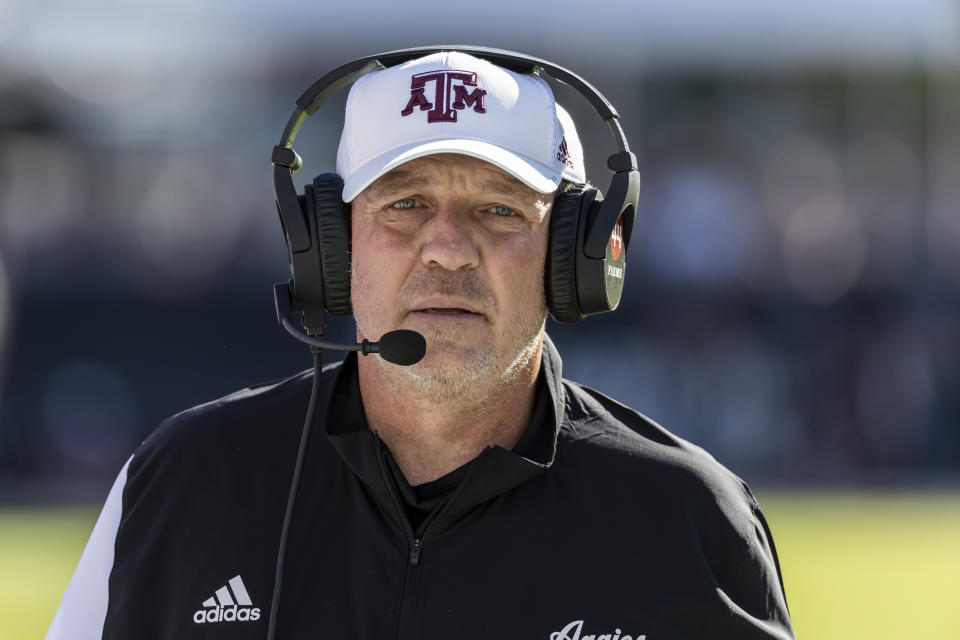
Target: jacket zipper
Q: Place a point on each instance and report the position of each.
(415, 544)
(415, 552)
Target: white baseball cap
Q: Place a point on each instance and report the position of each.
(452, 102)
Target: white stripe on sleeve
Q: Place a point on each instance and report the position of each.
(84, 606)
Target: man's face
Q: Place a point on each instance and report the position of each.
(454, 248)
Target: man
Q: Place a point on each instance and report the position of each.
(474, 494)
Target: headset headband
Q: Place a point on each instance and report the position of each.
(347, 74)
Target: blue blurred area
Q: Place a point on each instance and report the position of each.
(793, 297)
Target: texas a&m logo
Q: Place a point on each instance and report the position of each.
(447, 84)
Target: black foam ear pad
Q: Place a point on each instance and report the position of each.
(333, 229)
(560, 274)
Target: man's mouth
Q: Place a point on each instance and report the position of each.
(446, 310)
(451, 308)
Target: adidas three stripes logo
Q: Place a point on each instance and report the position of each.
(223, 594)
(229, 603)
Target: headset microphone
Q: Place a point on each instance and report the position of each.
(402, 346)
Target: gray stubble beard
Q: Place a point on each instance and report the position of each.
(483, 375)
(486, 372)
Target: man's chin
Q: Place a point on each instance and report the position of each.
(449, 371)
(454, 358)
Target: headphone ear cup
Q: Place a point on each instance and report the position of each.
(560, 274)
(333, 230)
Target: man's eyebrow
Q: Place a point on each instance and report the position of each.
(400, 180)
(397, 180)
(512, 188)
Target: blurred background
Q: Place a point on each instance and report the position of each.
(793, 295)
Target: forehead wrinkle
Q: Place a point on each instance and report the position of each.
(488, 178)
(400, 179)
(509, 187)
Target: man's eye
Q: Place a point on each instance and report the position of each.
(406, 203)
(502, 211)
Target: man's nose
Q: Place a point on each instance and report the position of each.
(450, 241)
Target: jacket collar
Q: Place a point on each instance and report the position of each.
(495, 471)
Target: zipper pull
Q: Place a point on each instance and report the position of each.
(415, 553)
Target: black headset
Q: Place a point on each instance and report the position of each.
(589, 235)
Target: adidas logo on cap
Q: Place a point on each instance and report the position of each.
(228, 604)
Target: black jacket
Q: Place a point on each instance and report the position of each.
(608, 527)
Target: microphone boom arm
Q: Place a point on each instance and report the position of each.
(364, 347)
(401, 346)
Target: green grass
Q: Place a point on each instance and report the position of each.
(38, 551)
(876, 566)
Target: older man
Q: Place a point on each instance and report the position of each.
(474, 494)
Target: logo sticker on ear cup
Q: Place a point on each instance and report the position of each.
(616, 240)
(615, 265)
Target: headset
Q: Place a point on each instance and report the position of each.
(588, 238)
(583, 274)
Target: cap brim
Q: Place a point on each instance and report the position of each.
(533, 174)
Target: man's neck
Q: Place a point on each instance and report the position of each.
(430, 436)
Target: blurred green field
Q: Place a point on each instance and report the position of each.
(875, 566)
(38, 550)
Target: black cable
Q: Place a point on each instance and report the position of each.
(292, 498)
(364, 347)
